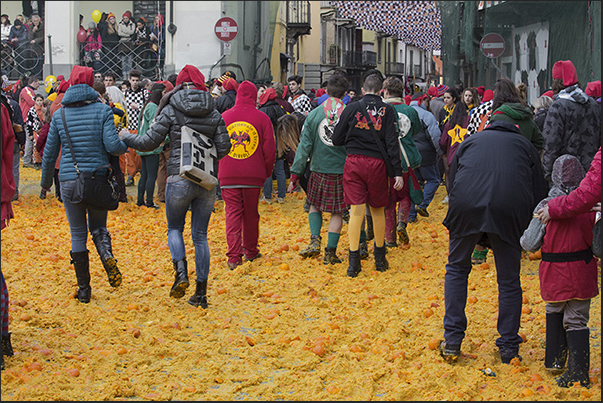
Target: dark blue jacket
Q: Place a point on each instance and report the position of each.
(92, 132)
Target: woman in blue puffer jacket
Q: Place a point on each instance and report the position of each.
(93, 135)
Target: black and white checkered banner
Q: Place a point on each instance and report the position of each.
(415, 23)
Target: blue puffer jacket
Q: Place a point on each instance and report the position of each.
(92, 134)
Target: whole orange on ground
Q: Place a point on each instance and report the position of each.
(309, 332)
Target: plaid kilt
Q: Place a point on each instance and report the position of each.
(325, 191)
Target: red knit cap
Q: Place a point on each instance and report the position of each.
(480, 90)
(127, 14)
(565, 70)
(191, 74)
(432, 91)
(488, 96)
(267, 95)
(230, 84)
(593, 89)
(548, 93)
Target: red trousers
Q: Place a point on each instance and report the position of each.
(242, 223)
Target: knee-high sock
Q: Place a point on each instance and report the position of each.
(378, 225)
(315, 221)
(357, 213)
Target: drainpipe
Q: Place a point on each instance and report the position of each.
(50, 53)
(172, 27)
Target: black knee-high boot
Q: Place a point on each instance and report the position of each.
(180, 280)
(555, 352)
(199, 298)
(102, 241)
(81, 263)
(578, 361)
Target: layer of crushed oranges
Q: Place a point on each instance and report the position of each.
(279, 327)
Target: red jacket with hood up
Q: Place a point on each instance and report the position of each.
(253, 152)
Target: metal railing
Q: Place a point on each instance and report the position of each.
(123, 57)
(15, 61)
(359, 59)
(394, 68)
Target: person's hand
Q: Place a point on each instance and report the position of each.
(293, 181)
(122, 132)
(133, 105)
(543, 214)
(32, 41)
(398, 182)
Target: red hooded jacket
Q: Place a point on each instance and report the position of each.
(8, 180)
(253, 152)
(571, 230)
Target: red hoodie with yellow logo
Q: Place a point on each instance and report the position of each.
(251, 158)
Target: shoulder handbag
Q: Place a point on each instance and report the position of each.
(198, 156)
(414, 187)
(388, 163)
(597, 237)
(94, 189)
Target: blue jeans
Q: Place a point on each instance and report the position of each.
(81, 220)
(508, 266)
(16, 166)
(181, 193)
(430, 174)
(281, 180)
(148, 177)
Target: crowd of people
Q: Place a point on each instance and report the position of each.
(372, 158)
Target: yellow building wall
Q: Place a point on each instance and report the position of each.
(279, 44)
(309, 45)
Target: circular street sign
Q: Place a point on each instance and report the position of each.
(226, 29)
(492, 45)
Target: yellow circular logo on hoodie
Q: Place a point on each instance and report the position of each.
(244, 140)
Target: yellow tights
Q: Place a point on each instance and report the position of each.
(357, 213)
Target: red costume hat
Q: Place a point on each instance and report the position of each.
(191, 74)
(565, 70)
(488, 96)
(593, 89)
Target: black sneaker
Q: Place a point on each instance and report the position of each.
(506, 359)
(153, 206)
(422, 212)
(402, 233)
(450, 352)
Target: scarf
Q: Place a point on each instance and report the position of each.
(448, 113)
(573, 93)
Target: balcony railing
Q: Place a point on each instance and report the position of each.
(298, 13)
(359, 60)
(18, 60)
(394, 68)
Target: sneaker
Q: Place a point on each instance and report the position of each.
(264, 199)
(42, 194)
(391, 244)
(450, 352)
(506, 359)
(233, 266)
(313, 248)
(280, 200)
(422, 212)
(402, 233)
(153, 206)
(259, 255)
(445, 201)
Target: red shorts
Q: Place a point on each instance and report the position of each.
(365, 180)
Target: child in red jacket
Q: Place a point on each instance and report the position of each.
(568, 271)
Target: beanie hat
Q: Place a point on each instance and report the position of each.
(593, 89)
(565, 70)
(60, 77)
(480, 90)
(91, 25)
(548, 93)
(488, 96)
(6, 84)
(442, 89)
(230, 84)
(127, 14)
(110, 15)
(160, 20)
(267, 95)
(432, 91)
(191, 74)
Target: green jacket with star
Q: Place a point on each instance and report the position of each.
(316, 144)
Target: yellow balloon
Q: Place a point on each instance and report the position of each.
(96, 16)
(48, 81)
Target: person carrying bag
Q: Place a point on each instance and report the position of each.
(86, 134)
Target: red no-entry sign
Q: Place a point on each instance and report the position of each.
(492, 45)
(226, 29)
